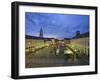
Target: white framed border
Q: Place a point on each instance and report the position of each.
(52, 70)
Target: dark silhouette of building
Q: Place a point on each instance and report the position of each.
(83, 35)
(41, 32)
(77, 33)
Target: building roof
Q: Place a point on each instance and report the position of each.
(35, 37)
(67, 38)
(81, 35)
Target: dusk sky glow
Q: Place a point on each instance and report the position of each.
(55, 25)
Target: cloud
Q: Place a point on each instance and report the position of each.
(59, 25)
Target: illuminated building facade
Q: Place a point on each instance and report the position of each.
(81, 41)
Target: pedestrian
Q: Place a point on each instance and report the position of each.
(61, 49)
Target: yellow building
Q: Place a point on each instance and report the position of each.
(33, 43)
(81, 41)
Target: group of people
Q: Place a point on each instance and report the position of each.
(58, 47)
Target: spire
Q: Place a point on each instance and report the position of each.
(41, 32)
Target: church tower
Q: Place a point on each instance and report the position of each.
(41, 32)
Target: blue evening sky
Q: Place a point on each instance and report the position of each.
(55, 25)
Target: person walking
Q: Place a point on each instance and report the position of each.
(61, 49)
